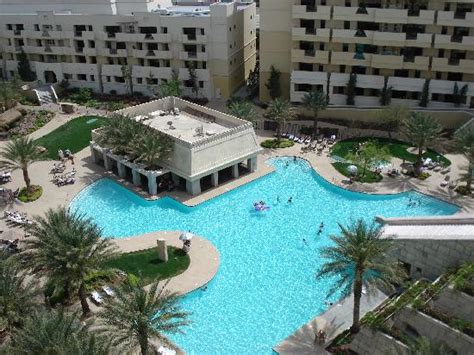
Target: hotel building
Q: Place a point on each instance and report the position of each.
(396, 44)
(120, 46)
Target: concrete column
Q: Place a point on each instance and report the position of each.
(93, 154)
(193, 187)
(162, 250)
(152, 187)
(235, 171)
(175, 179)
(137, 181)
(252, 164)
(107, 162)
(121, 169)
(215, 179)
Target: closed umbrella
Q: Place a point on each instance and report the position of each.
(352, 169)
(186, 236)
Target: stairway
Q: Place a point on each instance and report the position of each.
(46, 95)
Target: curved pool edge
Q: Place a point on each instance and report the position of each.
(204, 258)
(366, 193)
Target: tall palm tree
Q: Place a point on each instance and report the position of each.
(137, 314)
(118, 134)
(66, 248)
(243, 110)
(422, 130)
(151, 146)
(464, 141)
(315, 100)
(280, 111)
(56, 333)
(20, 153)
(17, 295)
(359, 258)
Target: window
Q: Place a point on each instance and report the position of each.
(323, 24)
(82, 77)
(67, 76)
(139, 80)
(376, 71)
(201, 84)
(345, 47)
(91, 77)
(347, 25)
(107, 78)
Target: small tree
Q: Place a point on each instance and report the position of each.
(273, 83)
(172, 87)
(359, 258)
(315, 100)
(385, 93)
(280, 111)
(127, 76)
(369, 154)
(459, 95)
(193, 79)
(464, 141)
(253, 81)
(24, 68)
(425, 93)
(392, 117)
(328, 88)
(423, 131)
(243, 110)
(10, 92)
(350, 89)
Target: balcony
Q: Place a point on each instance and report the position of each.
(391, 16)
(416, 63)
(114, 52)
(202, 74)
(454, 42)
(311, 34)
(319, 13)
(342, 13)
(112, 69)
(147, 72)
(348, 58)
(307, 56)
(193, 39)
(17, 32)
(453, 65)
(421, 17)
(387, 61)
(193, 55)
(389, 38)
(352, 36)
(452, 18)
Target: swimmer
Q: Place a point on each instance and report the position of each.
(305, 242)
(320, 231)
(204, 288)
(327, 303)
(294, 158)
(321, 226)
(287, 164)
(290, 200)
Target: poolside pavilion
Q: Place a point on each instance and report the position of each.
(210, 147)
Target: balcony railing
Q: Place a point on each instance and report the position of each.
(460, 15)
(309, 52)
(192, 54)
(78, 33)
(310, 31)
(79, 49)
(454, 61)
(457, 38)
(411, 36)
(148, 36)
(409, 59)
(17, 32)
(150, 53)
(112, 51)
(110, 34)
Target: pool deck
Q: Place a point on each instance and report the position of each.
(204, 258)
(334, 321)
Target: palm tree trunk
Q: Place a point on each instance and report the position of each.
(315, 123)
(419, 160)
(278, 133)
(357, 296)
(85, 306)
(143, 344)
(26, 177)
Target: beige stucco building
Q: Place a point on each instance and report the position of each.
(122, 45)
(386, 42)
(209, 147)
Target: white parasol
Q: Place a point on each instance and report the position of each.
(352, 169)
(186, 236)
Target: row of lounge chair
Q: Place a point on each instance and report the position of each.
(17, 218)
(97, 296)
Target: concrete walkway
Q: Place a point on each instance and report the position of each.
(334, 321)
(203, 255)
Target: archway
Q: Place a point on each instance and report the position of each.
(50, 77)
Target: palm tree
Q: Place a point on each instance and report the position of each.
(422, 130)
(464, 141)
(359, 258)
(20, 153)
(55, 332)
(151, 146)
(423, 346)
(118, 134)
(243, 110)
(137, 314)
(66, 248)
(280, 111)
(172, 87)
(315, 100)
(17, 295)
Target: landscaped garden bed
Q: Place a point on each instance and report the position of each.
(369, 176)
(29, 122)
(74, 135)
(274, 144)
(146, 265)
(31, 194)
(110, 102)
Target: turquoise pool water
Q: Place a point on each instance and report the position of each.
(265, 288)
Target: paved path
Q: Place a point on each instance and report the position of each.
(334, 321)
(204, 258)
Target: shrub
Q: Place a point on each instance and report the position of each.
(273, 143)
(32, 195)
(115, 105)
(462, 190)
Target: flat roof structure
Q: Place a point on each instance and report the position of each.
(208, 144)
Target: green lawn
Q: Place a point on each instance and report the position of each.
(74, 135)
(146, 265)
(369, 177)
(396, 148)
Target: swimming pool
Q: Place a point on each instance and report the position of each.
(265, 287)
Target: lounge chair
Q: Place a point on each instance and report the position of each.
(452, 185)
(108, 291)
(445, 182)
(96, 297)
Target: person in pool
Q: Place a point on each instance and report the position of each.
(290, 200)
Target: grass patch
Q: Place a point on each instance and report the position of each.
(74, 135)
(396, 149)
(369, 177)
(273, 143)
(33, 194)
(146, 264)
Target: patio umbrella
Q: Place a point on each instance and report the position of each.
(186, 236)
(352, 169)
